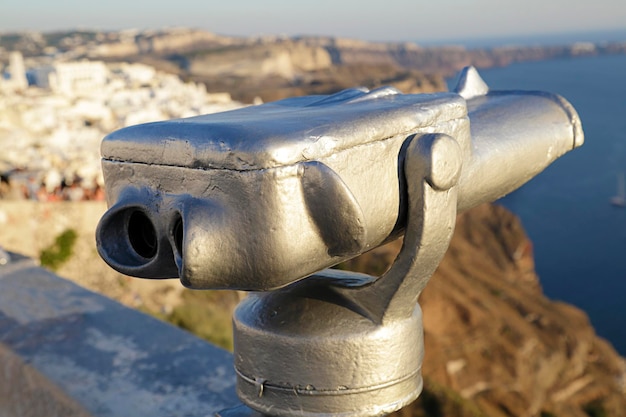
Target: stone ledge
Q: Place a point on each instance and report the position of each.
(65, 351)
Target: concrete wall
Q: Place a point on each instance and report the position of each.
(65, 351)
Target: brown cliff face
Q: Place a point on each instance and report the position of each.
(495, 345)
(277, 67)
(494, 337)
(276, 71)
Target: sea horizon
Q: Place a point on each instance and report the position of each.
(471, 42)
(545, 39)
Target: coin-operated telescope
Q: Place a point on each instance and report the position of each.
(266, 197)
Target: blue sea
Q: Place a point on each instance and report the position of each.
(564, 38)
(578, 236)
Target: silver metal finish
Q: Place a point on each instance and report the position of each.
(267, 197)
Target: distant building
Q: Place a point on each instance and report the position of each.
(15, 79)
(136, 74)
(54, 131)
(17, 71)
(76, 78)
(583, 48)
(72, 78)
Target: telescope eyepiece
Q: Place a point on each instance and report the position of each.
(134, 242)
(142, 235)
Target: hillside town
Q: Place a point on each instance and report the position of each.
(61, 93)
(54, 115)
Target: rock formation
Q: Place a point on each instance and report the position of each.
(492, 336)
(495, 345)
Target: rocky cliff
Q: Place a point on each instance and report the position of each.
(495, 345)
(274, 68)
(279, 68)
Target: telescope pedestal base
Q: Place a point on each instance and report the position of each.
(301, 351)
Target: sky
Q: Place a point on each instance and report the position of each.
(380, 20)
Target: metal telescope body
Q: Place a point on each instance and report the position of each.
(265, 198)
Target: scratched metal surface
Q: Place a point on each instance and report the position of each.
(273, 193)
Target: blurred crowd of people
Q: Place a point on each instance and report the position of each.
(23, 186)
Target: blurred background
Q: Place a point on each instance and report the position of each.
(528, 285)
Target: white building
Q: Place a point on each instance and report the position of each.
(16, 72)
(78, 78)
(136, 74)
(72, 78)
(56, 130)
